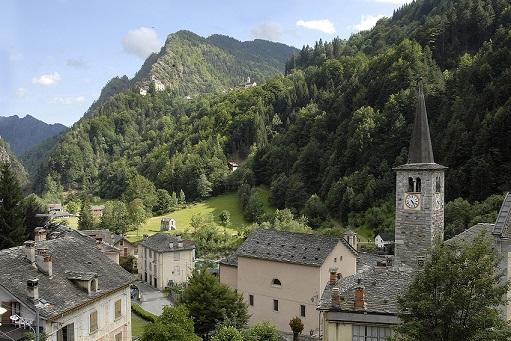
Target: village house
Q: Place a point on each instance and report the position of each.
(282, 274)
(67, 287)
(97, 210)
(102, 235)
(167, 224)
(126, 247)
(55, 208)
(164, 259)
(232, 165)
(384, 241)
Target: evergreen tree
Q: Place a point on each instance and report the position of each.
(174, 324)
(211, 303)
(32, 206)
(315, 211)
(85, 220)
(12, 216)
(182, 197)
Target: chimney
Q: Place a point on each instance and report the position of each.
(44, 262)
(359, 298)
(30, 251)
(179, 244)
(39, 234)
(171, 245)
(336, 298)
(33, 288)
(333, 276)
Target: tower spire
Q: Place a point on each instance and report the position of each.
(420, 145)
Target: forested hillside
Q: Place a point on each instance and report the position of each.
(334, 126)
(24, 133)
(189, 64)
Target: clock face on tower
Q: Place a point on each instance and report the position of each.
(412, 201)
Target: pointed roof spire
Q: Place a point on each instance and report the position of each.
(420, 150)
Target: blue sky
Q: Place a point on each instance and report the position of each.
(56, 55)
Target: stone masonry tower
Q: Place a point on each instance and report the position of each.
(419, 194)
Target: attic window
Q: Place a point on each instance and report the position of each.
(276, 283)
(93, 285)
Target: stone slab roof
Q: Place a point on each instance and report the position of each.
(118, 237)
(387, 236)
(471, 233)
(287, 247)
(71, 253)
(382, 288)
(160, 242)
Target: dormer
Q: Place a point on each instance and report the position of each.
(87, 281)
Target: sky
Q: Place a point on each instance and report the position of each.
(56, 55)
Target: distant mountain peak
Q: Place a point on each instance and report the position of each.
(26, 132)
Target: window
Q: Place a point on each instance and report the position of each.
(93, 322)
(94, 285)
(418, 185)
(125, 252)
(370, 333)
(177, 256)
(118, 309)
(275, 305)
(276, 282)
(150, 254)
(438, 186)
(145, 253)
(177, 270)
(67, 333)
(335, 260)
(251, 300)
(16, 308)
(118, 337)
(154, 269)
(121, 243)
(411, 185)
(302, 310)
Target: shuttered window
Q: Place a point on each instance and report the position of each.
(118, 311)
(93, 322)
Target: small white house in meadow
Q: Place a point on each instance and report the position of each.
(384, 239)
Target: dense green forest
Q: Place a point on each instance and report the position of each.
(326, 135)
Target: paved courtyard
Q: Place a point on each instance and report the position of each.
(151, 299)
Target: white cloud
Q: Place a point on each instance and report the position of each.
(67, 100)
(323, 25)
(21, 92)
(267, 31)
(366, 22)
(47, 79)
(141, 42)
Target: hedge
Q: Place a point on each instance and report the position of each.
(144, 314)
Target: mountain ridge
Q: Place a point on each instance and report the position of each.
(188, 64)
(24, 133)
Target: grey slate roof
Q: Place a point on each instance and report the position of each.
(160, 242)
(382, 288)
(471, 233)
(287, 247)
(231, 260)
(73, 256)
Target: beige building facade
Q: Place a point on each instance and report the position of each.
(281, 275)
(164, 259)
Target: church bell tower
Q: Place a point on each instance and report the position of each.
(419, 194)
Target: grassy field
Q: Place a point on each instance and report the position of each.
(183, 216)
(212, 206)
(137, 325)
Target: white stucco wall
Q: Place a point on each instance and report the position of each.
(108, 326)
